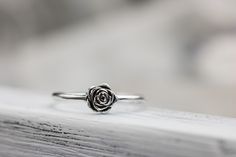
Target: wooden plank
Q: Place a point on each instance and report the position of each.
(33, 125)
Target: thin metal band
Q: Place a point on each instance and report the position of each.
(129, 97)
(83, 96)
(73, 96)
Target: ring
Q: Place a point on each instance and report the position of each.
(99, 98)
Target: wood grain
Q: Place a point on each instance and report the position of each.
(33, 125)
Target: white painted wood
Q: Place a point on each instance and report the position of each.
(34, 125)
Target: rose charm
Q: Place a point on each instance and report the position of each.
(101, 98)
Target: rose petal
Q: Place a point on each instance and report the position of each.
(106, 86)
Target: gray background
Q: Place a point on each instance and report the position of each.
(179, 54)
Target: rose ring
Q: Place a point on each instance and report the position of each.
(99, 98)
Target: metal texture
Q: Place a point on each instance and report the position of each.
(99, 98)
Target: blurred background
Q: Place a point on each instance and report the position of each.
(180, 54)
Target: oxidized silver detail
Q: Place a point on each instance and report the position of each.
(101, 98)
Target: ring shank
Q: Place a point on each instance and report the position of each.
(83, 96)
(129, 97)
(73, 96)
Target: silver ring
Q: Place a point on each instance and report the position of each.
(99, 98)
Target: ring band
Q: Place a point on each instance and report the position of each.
(83, 96)
(99, 98)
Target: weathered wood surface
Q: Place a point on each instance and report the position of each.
(33, 125)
